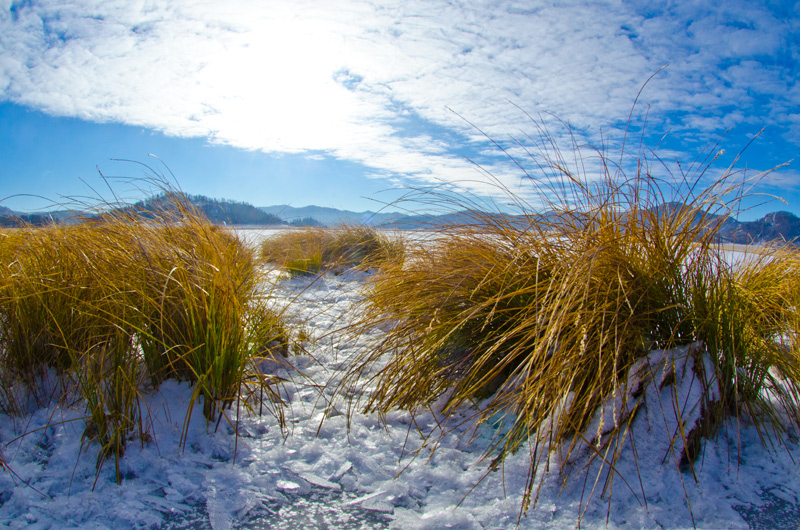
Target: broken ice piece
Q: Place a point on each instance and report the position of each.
(364, 498)
(344, 468)
(289, 486)
(319, 481)
(377, 505)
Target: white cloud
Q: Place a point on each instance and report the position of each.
(295, 76)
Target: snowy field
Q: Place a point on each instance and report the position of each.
(375, 472)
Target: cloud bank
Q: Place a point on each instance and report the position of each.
(373, 82)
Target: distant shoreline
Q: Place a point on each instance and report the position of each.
(752, 248)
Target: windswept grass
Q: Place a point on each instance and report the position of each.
(315, 250)
(552, 317)
(105, 310)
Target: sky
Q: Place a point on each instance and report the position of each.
(350, 104)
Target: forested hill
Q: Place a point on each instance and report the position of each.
(220, 211)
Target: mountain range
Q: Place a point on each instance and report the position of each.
(774, 226)
(332, 217)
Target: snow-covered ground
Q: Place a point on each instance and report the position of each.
(374, 472)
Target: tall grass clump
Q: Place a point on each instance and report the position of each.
(315, 250)
(204, 320)
(103, 311)
(556, 321)
(64, 333)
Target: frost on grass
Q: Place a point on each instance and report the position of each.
(328, 470)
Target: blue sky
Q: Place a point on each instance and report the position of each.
(346, 103)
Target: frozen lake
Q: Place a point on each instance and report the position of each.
(368, 473)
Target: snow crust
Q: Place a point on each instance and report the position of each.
(380, 472)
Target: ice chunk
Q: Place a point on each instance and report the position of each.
(319, 481)
(344, 468)
(288, 486)
(377, 505)
(165, 505)
(219, 517)
(364, 498)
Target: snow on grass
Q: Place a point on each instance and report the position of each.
(324, 470)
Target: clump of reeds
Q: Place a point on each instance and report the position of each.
(103, 310)
(551, 315)
(315, 250)
(297, 251)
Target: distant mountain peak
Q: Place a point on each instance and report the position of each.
(774, 226)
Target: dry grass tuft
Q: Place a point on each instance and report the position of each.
(106, 309)
(550, 316)
(315, 250)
